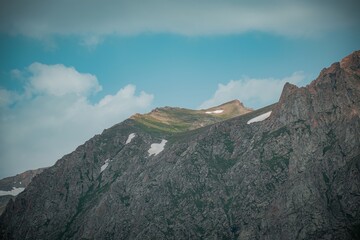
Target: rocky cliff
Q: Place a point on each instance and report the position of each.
(293, 175)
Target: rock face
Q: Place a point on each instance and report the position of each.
(294, 175)
(18, 182)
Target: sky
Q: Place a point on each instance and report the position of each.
(69, 69)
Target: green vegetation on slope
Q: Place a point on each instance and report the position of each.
(177, 120)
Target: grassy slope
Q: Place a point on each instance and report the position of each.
(242, 118)
(180, 122)
(176, 120)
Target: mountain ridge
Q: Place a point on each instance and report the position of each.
(175, 120)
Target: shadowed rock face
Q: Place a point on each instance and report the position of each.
(295, 175)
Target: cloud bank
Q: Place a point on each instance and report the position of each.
(252, 92)
(53, 115)
(92, 18)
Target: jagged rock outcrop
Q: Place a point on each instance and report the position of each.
(295, 175)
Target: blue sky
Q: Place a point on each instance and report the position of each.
(68, 70)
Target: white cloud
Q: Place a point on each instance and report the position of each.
(59, 80)
(40, 126)
(252, 92)
(40, 18)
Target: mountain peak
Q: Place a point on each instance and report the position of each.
(351, 61)
(174, 119)
(234, 107)
(336, 85)
(233, 103)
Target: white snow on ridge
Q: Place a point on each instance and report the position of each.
(259, 118)
(15, 191)
(105, 165)
(131, 136)
(156, 148)
(215, 112)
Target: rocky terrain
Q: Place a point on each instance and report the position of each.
(12, 186)
(292, 174)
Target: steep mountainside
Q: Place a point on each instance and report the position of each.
(292, 175)
(12, 186)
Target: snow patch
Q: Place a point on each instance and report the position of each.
(131, 136)
(156, 148)
(105, 165)
(15, 191)
(259, 118)
(215, 112)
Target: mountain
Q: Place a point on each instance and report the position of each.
(171, 120)
(288, 171)
(12, 186)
